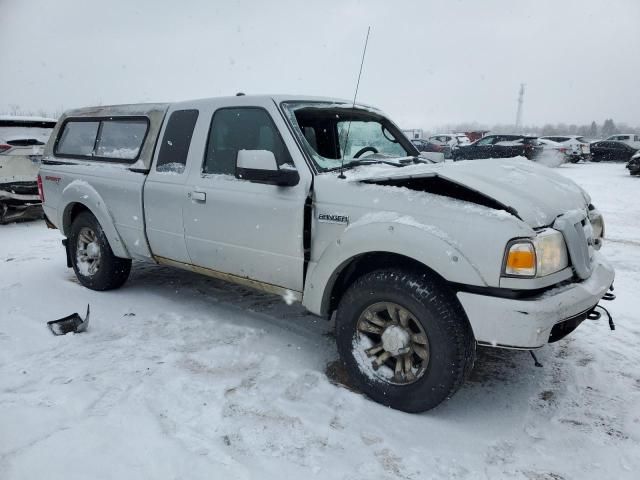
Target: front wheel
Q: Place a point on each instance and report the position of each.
(93, 261)
(404, 339)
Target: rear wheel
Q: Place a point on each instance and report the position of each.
(93, 261)
(404, 339)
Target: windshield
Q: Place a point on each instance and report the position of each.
(331, 133)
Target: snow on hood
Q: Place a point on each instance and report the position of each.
(533, 192)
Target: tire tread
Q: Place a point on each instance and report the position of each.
(428, 290)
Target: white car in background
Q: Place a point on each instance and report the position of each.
(22, 140)
(631, 139)
(577, 146)
(450, 141)
(565, 153)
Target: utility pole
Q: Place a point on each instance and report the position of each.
(520, 102)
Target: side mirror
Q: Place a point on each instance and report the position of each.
(260, 166)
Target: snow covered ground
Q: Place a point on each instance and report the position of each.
(181, 376)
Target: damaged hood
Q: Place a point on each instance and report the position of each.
(534, 193)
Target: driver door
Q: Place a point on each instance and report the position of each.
(242, 228)
(483, 148)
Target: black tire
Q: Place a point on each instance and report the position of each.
(112, 271)
(451, 344)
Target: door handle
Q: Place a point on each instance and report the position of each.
(197, 196)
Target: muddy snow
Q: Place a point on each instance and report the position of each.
(180, 376)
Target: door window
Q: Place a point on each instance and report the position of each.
(485, 141)
(234, 129)
(177, 139)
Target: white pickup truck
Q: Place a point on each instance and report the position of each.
(331, 205)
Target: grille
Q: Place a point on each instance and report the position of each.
(578, 235)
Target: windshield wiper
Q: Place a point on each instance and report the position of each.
(364, 161)
(397, 162)
(370, 161)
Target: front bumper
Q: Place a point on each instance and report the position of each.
(527, 323)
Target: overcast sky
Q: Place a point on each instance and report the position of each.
(428, 62)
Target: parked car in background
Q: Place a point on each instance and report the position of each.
(631, 139)
(413, 133)
(450, 141)
(22, 140)
(612, 151)
(429, 150)
(500, 146)
(564, 153)
(577, 145)
(427, 146)
(474, 135)
(634, 164)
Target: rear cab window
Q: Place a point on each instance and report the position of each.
(115, 139)
(121, 139)
(77, 138)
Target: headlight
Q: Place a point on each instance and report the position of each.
(543, 255)
(551, 252)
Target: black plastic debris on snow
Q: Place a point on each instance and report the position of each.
(71, 323)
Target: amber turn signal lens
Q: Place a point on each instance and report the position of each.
(521, 260)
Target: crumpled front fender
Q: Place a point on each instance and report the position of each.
(403, 236)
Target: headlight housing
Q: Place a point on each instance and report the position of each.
(543, 255)
(551, 252)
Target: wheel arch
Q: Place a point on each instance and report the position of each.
(368, 262)
(411, 248)
(79, 197)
